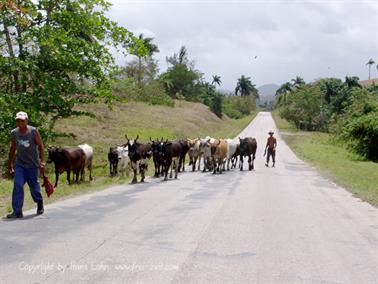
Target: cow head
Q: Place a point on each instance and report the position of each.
(243, 145)
(204, 145)
(122, 151)
(156, 146)
(165, 148)
(132, 146)
(53, 153)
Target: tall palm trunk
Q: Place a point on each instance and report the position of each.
(139, 71)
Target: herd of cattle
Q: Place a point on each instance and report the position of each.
(213, 154)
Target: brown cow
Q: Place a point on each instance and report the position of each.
(194, 153)
(218, 154)
(67, 159)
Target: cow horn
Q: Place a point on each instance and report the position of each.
(151, 139)
(137, 138)
(127, 137)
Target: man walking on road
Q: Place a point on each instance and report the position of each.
(25, 163)
(271, 145)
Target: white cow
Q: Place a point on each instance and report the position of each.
(88, 151)
(205, 152)
(231, 150)
(124, 160)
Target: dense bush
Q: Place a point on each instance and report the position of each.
(349, 110)
(237, 107)
(360, 123)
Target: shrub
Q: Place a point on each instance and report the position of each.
(238, 107)
(360, 123)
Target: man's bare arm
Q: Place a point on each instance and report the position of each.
(12, 153)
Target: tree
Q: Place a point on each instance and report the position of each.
(352, 81)
(298, 82)
(151, 48)
(216, 80)
(284, 90)
(245, 87)
(181, 78)
(370, 63)
(56, 55)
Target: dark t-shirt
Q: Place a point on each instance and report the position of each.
(26, 148)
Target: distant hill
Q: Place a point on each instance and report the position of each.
(268, 90)
(267, 94)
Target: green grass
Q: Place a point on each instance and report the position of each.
(185, 120)
(333, 160)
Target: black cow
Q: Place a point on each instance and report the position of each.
(247, 148)
(171, 153)
(184, 149)
(67, 159)
(139, 154)
(156, 147)
(113, 161)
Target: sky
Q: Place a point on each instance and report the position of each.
(268, 41)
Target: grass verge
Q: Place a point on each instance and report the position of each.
(333, 160)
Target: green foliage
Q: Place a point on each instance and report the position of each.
(360, 123)
(56, 57)
(154, 93)
(245, 87)
(181, 80)
(303, 108)
(237, 107)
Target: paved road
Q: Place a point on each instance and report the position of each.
(281, 225)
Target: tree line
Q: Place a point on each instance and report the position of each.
(344, 108)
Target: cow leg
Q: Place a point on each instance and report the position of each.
(134, 178)
(90, 171)
(56, 178)
(177, 168)
(250, 162)
(77, 174)
(68, 177)
(165, 170)
(171, 172)
(82, 175)
(241, 163)
(156, 169)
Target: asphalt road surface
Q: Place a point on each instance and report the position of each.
(272, 225)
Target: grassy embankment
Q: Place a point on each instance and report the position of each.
(333, 160)
(109, 128)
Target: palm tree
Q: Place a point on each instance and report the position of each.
(298, 82)
(352, 81)
(216, 80)
(370, 62)
(285, 89)
(151, 49)
(245, 87)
